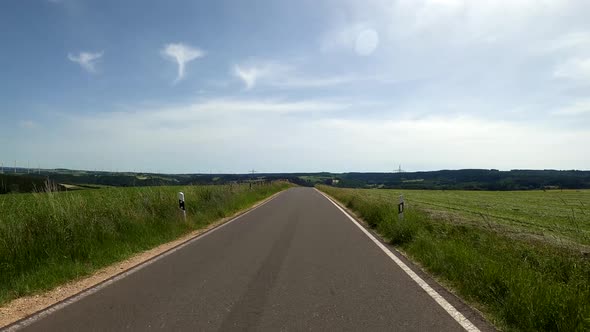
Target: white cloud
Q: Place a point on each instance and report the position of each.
(251, 72)
(575, 69)
(179, 116)
(346, 36)
(86, 59)
(248, 75)
(424, 24)
(235, 135)
(579, 40)
(182, 54)
(366, 42)
(460, 49)
(316, 82)
(204, 112)
(577, 108)
(454, 142)
(281, 75)
(231, 135)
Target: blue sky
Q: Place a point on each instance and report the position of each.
(295, 86)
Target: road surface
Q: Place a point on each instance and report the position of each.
(294, 263)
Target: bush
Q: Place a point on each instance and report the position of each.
(399, 231)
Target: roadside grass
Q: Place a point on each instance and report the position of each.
(521, 284)
(49, 238)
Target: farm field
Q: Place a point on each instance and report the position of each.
(520, 257)
(49, 238)
(561, 216)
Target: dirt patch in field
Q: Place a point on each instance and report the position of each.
(28, 305)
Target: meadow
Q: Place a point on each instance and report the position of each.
(520, 257)
(561, 216)
(48, 238)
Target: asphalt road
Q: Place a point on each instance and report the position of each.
(295, 263)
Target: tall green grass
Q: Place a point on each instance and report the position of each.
(522, 285)
(49, 238)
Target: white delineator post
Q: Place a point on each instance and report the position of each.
(400, 207)
(181, 204)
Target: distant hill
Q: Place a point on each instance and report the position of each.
(150, 179)
(465, 179)
(470, 179)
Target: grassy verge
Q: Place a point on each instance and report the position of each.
(49, 238)
(520, 284)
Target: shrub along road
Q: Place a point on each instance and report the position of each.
(295, 263)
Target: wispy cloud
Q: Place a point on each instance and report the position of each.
(578, 108)
(250, 73)
(179, 116)
(233, 135)
(86, 59)
(281, 75)
(576, 69)
(360, 37)
(223, 133)
(567, 42)
(317, 82)
(456, 142)
(182, 54)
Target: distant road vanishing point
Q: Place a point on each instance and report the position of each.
(297, 262)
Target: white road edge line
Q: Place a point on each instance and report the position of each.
(60, 305)
(462, 320)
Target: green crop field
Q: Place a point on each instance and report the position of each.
(554, 215)
(520, 257)
(52, 237)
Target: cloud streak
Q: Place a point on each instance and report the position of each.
(577, 69)
(455, 142)
(251, 73)
(232, 135)
(281, 75)
(182, 54)
(576, 109)
(87, 60)
(358, 37)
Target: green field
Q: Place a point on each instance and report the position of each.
(520, 257)
(49, 238)
(552, 215)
